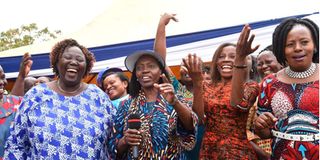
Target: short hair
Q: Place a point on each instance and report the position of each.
(280, 36)
(268, 48)
(120, 75)
(215, 75)
(59, 48)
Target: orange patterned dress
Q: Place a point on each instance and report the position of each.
(225, 125)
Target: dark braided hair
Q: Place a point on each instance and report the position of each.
(280, 36)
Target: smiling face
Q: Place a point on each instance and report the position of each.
(114, 87)
(147, 71)
(225, 62)
(3, 82)
(267, 64)
(299, 48)
(72, 65)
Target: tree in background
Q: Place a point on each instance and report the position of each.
(25, 35)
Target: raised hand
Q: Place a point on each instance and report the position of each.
(25, 65)
(166, 17)
(166, 90)
(194, 65)
(244, 44)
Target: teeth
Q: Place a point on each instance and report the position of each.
(267, 72)
(72, 70)
(223, 67)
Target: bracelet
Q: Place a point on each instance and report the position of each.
(241, 66)
(175, 100)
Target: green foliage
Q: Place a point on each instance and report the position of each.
(25, 35)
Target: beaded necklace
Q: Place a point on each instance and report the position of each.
(300, 75)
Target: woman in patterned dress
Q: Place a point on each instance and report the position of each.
(167, 121)
(184, 85)
(288, 105)
(9, 103)
(223, 105)
(65, 118)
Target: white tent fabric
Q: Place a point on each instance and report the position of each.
(127, 21)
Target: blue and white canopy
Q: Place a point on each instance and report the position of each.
(203, 43)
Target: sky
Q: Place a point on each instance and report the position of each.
(64, 15)
(71, 15)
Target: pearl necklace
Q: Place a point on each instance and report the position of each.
(300, 75)
(68, 92)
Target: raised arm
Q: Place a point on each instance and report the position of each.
(160, 43)
(25, 67)
(240, 72)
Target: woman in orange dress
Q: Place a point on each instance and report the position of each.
(223, 105)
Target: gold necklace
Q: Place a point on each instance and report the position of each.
(68, 92)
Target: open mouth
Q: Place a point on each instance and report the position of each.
(267, 72)
(226, 68)
(72, 72)
(299, 58)
(146, 78)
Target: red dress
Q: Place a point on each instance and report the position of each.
(225, 126)
(7, 113)
(297, 108)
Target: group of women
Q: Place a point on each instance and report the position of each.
(69, 119)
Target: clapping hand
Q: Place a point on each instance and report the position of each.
(194, 65)
(265, 120)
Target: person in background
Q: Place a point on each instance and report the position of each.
(261, 147)
(9, 102)
(288, 104)
(65, 118)
(114, 83)
(184, 88)
(206, 74)
(43, 79)
(29, 82)
(267, 62)
(223, 104)
(168, 125)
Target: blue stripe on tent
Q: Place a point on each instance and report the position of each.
(41, 61)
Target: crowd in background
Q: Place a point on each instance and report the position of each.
(237, 106)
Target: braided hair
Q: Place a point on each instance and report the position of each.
(280, 36)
